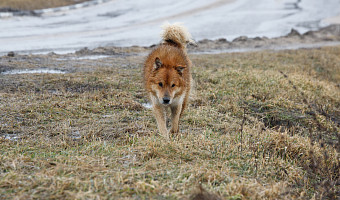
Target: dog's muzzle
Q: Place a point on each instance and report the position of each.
(166, 100)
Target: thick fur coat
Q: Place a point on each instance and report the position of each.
(167, 76)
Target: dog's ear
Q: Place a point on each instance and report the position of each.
(180, 69)
(157, 64)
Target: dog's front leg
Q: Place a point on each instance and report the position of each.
(175, 114)
(160, 118)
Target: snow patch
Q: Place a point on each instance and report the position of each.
(33, 71)
(147, 105)
(11, 137)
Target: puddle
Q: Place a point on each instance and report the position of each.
(147, 105)
(33, 71)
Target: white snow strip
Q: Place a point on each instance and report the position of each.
(91, 57)
(34, 71)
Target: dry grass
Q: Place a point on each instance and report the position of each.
(250, 132)
(36, 4)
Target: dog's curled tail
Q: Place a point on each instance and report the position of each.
(176, 34)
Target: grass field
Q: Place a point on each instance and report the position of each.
(260, 125)
(36, 4)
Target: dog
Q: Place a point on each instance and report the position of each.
(167, 76)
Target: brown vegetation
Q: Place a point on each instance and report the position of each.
(36, 4)
(261, 125)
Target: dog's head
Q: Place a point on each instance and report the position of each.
(167, 81)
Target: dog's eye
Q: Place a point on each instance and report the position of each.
(173, 85)
(160, 84)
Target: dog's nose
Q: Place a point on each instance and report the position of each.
(166, 100)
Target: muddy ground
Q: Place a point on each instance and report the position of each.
(329, 35)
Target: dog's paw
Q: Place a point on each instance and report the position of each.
(174, 131)
(165, 135)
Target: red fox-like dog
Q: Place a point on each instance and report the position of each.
(167, 76)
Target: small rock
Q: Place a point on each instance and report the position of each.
(222, 40)
(309, 33)
(205, 41)
(293, 32)
(83, 51)
(11, 54)
(100, 50)
(257, 39)
(241, 39)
